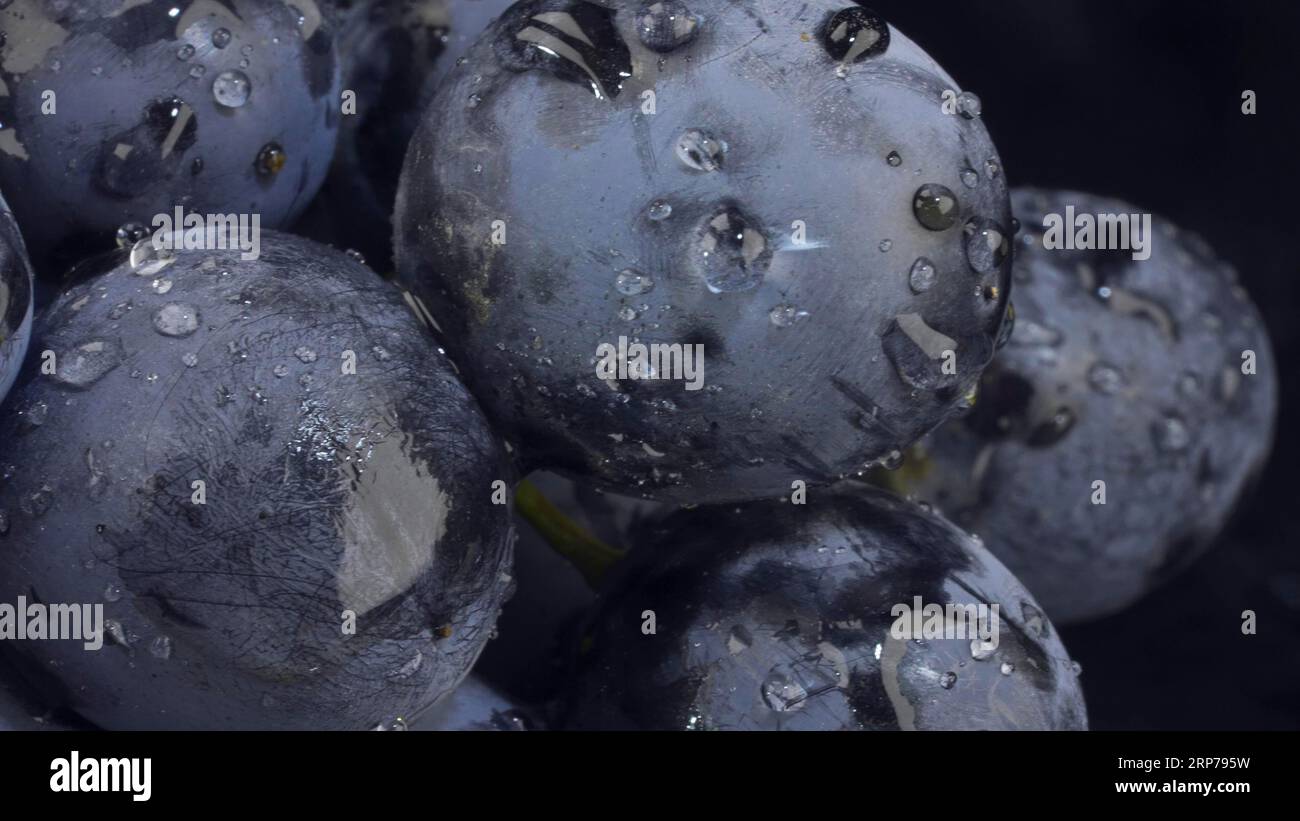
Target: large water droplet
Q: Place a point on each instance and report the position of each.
(633, 283)
(969, 105)
(659, 210)
(854, 34)
(781, 694)
(161, 648)
(935, 207)
(917, 352)
(221, 37)
(576, 41)
(87, 363)
(231, 88)
(1035, 622)
(700, 150)
(135, 160)
(129, 234)
(739, 639)
(666, 25)
(783, 316)
(981, 649)
(986, 245)
(270, 160)
(176, 319)
(922, 276)
(730, 251)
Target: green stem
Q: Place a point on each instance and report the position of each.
(592, 557)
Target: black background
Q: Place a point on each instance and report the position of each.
(1141, 99)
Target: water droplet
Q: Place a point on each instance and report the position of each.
(947, 680)
(190, 359)
(129, 234)
(660, 210)
(1105, 378)
(133, 161)
(161, 648)
(576, 41)
(280, 371)
(197, 71)
(270, 160)
(34, 415)
(894, 159)
(855, 34)
(730, 251)
(781, 694)
(231, 88)
(666, 25)
(700, 150)
(112, 593)
(885, 245)
(627, 313)
(739, 639)
(783, 316)
(981, 650)
(922, 276)
(355, 255)
(474, 101)
(305, 355)
(381, 353)
(633, 283)
(87, 363)
(969, 105)
(1035, 622)
(969, 178)
(935, 207)
(161, 286)
(917, 352)
(1007, 668)
(1076, 668)
(221, 37)
(1171, 434)
(411, 667)
(1051, 430)
(117, 632)
(185, 52)
(986, 245)
(176, 319)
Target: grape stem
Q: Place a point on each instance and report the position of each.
(589, 555)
